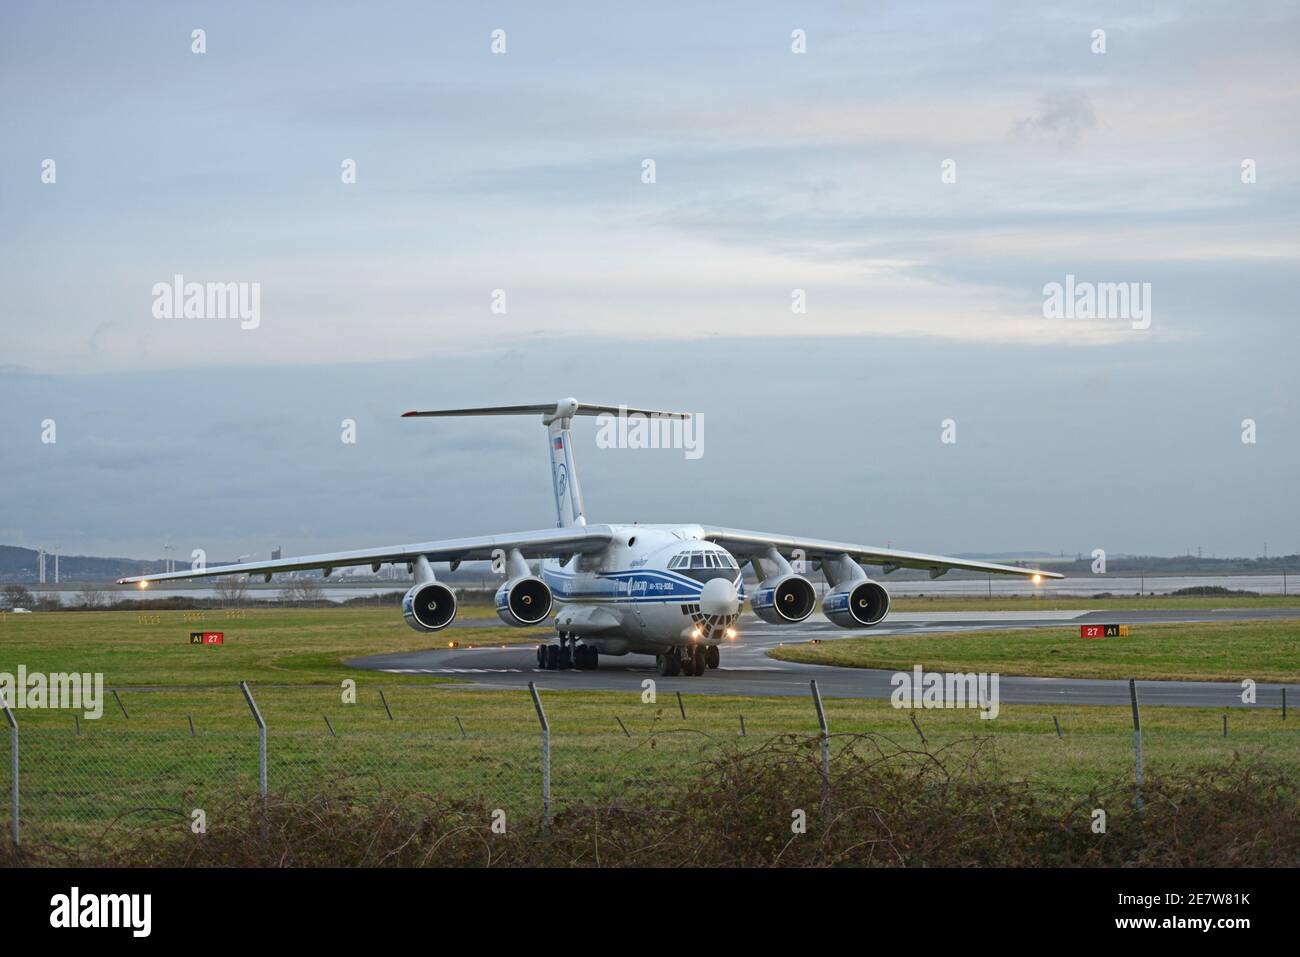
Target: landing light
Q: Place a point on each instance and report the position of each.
(144, 585)
(1038, 579)
(731, 634)
(695, 635)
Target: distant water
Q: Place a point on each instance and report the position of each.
(1084, 586)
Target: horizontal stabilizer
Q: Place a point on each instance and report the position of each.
(565, 408)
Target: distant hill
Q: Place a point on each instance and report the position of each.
(21, 565)
(1129, 565)
(1005, 556)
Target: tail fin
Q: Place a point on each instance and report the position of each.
(557, 416)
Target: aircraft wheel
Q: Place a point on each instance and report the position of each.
(541, 656)
(566, 657)
(664, 662)
(589, 657)
(698, 661)
(712, 657)
(552, 657)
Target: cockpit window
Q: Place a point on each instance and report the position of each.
(702, 560)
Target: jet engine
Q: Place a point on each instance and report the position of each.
(856, 604)
(523, 601)
(429, 606)
(784, 600)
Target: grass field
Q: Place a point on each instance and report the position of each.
(1045, 602)
(1219, 651)
(452, 740)
(293, 645)
(485, 745)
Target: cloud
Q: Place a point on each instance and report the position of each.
(1062, 117)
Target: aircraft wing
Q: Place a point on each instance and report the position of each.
(546, 543)
(744, 545)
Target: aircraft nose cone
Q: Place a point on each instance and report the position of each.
(718, 597)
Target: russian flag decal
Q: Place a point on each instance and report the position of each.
(559, 441)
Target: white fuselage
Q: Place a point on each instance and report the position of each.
(645, 592)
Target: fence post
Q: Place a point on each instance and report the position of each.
(826, 738)
(546, 758)
(1137, 737)
(919, 733)
(13, 768)
(261, 740)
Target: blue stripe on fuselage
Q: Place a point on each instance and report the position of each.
(626, 585)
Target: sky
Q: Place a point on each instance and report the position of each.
(916, 178)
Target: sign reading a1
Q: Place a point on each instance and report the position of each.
(207, 638)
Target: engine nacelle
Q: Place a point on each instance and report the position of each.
(430, 606)
(785, 600)
(523, 602)
(857, 604)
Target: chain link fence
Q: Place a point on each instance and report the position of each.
(91, 781)
(78, 789)
(78, 782)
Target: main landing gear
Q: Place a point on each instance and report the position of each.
(687, 660)
(567, 653)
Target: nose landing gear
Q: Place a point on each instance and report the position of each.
(690, 661)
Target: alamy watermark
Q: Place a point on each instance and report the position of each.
(639, 431)
(34, 690)
(179, 299)
(1098, 300)
(127, 911)
(933, 689)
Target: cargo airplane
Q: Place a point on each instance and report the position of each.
(672, 591)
